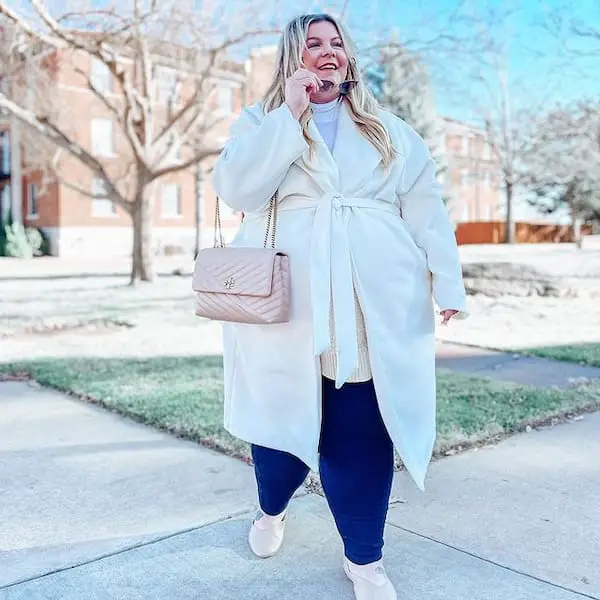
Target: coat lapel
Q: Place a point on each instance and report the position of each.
(355, 156)
(321, 165)
(353, 160)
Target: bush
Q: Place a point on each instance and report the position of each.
(35, 239)
(17, 243)
(5, 220)
(20, 242)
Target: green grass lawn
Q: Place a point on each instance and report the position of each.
(184, 396)
(583, 354)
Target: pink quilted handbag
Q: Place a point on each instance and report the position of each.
(243, 285)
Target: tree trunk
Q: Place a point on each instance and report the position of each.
(199, 209)
(142, 264)
(509, 226)
(576, 224)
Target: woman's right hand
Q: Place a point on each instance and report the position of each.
(298, 89)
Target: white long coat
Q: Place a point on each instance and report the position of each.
(343, 220)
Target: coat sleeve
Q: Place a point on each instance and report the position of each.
(423, 209)
(257, 157)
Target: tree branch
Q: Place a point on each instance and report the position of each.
(28, 30)
(53, 133)
(75, 187)
(171, 126)
(100, 95)
(182, 166)
(212, 54)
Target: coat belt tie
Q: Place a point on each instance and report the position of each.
(332, 273)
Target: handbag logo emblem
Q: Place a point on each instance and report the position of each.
(229, 283)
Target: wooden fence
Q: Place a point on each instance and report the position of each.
(492, 232)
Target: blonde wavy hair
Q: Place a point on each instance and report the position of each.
(362, 105)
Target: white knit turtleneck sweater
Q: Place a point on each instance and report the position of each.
(325, 117)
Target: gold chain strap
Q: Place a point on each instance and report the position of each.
(271, 224)
(218, 230)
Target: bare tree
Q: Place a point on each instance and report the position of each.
(494, 93)
(401, 83)
(163, 59)
(575, 25)
(562, 167)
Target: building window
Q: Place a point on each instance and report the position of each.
(172, 148)
(464, 144)
(176, 146)
(464, 177)
(103, 137)
(101, 76)
(491, 212)
(4, 201)
(474, 145)
(487, 180)
(167, 84)
(466, 214)
(225, 99)
(101, 205)
(33, 199)
(171, 200)
(487, 151)
(5, 153)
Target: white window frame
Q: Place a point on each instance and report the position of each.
(464, 144)
(175, 150)
(168, 214)
(225, 105)
(99, 149)
(100, 76)
(33, 190)
(177, 146)
(471, 143)
(487, 150)
(465, 213)
(167, 85)
(101, 200)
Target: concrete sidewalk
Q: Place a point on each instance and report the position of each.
(516, 368)
(95, 507)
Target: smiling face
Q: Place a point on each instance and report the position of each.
(325, 56)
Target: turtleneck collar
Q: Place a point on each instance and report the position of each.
(326, 112)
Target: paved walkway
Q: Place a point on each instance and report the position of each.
(505, 366)
(96, 507)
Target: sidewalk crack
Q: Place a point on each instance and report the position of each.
(494, 563)
(130, 548)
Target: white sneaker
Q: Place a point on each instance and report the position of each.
(370, 581)
(266, 534)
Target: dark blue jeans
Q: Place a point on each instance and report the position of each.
(356, 469)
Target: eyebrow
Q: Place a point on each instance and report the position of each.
(337, 37)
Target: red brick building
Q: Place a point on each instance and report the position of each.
(77, 225)
(472, 178)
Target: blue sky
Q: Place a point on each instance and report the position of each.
(540, 72)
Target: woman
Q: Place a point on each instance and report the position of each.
(351, 375)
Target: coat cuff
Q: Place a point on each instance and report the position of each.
(451, 297)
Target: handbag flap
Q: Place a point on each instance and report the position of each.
(238, 271)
